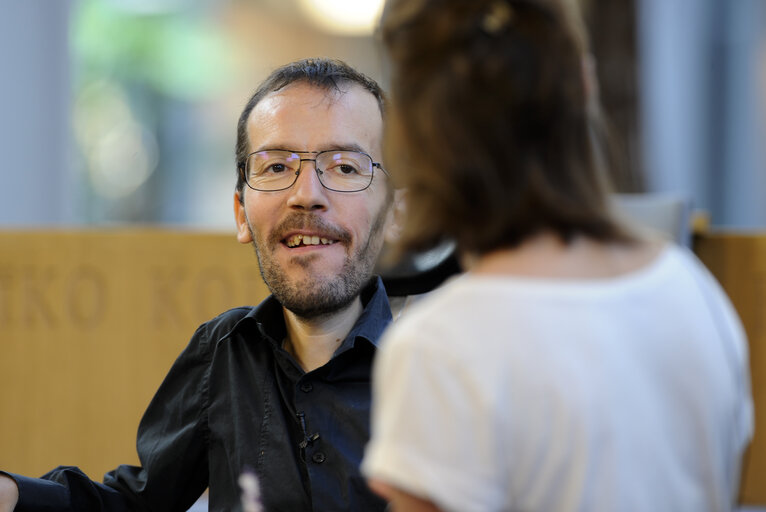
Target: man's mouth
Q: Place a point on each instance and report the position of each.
(299, 240)
(305, 230)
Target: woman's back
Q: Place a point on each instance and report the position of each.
(604, 392)
(578, 366)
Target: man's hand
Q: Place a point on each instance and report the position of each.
(9, 494)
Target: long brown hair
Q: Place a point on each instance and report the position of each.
(492, 130)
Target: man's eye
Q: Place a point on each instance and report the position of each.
(274, 169)
(348, 169)
(344, 169)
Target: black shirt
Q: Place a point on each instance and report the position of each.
(235, 399)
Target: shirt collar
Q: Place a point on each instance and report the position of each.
(375, 317)
(370, 325)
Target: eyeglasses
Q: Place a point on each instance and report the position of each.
(341, 171)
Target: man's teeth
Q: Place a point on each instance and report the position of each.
(296, 240)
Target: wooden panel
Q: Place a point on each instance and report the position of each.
(739, 264)
(90, 322)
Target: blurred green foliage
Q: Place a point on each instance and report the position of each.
(180, 52)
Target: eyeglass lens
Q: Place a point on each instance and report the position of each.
(345, 171)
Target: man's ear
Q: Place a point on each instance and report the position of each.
(243, 229)
(396, 220)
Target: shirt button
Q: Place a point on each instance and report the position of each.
(306, 387)
(318, 457)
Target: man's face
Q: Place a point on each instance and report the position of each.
(315, 279)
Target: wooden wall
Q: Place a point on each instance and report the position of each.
(90, 322)
(739, 263)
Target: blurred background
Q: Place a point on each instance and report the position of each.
(123, 111)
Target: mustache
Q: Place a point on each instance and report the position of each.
(308, 222)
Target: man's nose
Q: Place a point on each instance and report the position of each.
(308, 193)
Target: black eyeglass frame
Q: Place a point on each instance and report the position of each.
(242, 166)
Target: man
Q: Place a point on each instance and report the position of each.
(283, 388)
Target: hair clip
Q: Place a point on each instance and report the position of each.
(497, 17)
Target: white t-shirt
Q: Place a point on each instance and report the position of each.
(526, 394)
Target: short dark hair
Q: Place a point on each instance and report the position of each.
(323, 73)
(491, 127)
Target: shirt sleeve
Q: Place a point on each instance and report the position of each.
(65, 489)
(433, 431)
(171, 448)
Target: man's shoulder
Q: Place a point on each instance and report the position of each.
(224, 324)
(229, 318)
(231, 324)
(234, 314)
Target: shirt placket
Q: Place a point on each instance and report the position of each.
(312, 444)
